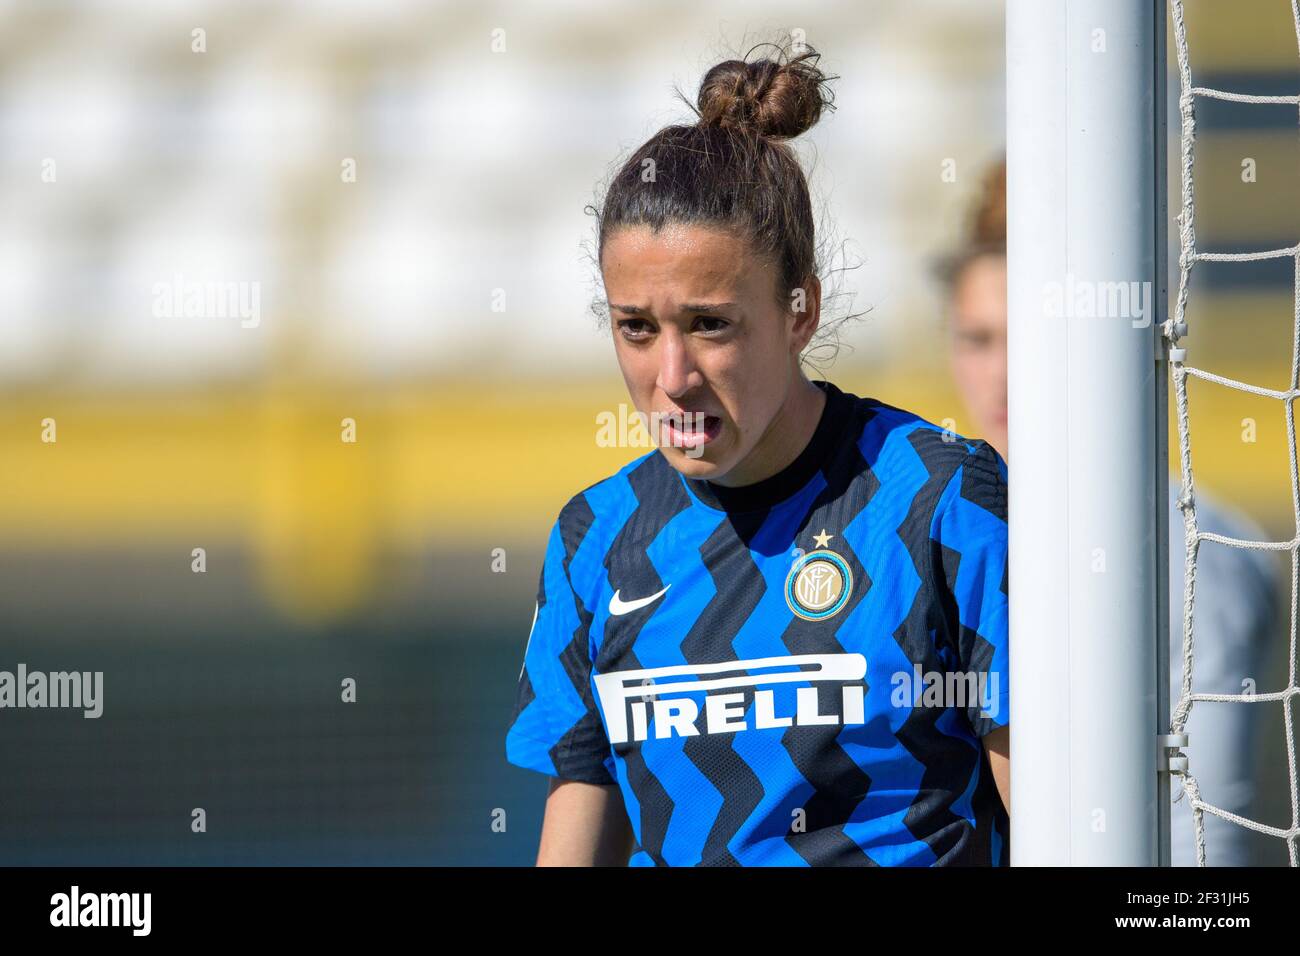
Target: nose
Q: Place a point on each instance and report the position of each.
(677, 371)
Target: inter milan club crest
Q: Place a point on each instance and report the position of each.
(820, 582)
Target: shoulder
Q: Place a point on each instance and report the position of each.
(1215, 517)
(601, 509)
(1244, 581)
(902, 446)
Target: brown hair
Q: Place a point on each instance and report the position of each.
(733, 169)
(986, 230)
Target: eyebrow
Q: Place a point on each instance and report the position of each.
(685, 307)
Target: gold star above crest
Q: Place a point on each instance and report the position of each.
(823, 539)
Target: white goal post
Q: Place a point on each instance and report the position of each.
(1087, 380)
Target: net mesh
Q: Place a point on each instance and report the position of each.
(1174, 329)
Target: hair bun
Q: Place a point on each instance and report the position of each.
(778, 98)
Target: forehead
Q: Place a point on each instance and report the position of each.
(980, 290)
(691, 261)
(983, 274)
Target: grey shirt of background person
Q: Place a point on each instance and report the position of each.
(1234, 749)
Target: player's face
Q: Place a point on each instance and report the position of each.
(979, 345)
(703, 342)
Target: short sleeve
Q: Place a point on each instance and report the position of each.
(556, 728)
(969, 537)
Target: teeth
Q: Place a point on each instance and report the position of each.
(686, 422)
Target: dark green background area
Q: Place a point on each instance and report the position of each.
(240, 714)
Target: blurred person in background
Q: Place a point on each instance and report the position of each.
(1237, 609)
(712, 676)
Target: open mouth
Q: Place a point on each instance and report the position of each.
(690, 429)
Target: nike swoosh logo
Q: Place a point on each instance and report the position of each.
(618, 606)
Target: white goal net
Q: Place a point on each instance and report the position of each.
(1181, 764)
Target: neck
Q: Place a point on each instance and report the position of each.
(786, 436)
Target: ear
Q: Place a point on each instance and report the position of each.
(805, 312)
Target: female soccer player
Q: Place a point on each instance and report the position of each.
(780, 638)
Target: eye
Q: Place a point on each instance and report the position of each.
(710, 324)
(634, 329)
(974, 340)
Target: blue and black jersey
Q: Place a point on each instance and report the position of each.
(794, 672)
